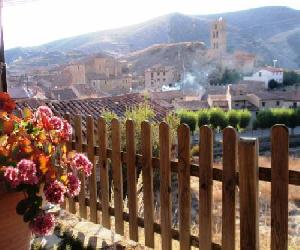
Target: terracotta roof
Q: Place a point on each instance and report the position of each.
(279, 95)
(272, 69)
(166, 95)
(64, 94)
(192, 105)
(94, 106)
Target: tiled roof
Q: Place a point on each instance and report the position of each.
(272, 69)
(192, 105)
(95, 106)
(64, 94)
(279, 95)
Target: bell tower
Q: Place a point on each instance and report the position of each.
(218, 37)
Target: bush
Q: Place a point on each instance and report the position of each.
(218, 119)
(203, 117)
(245, 117)
(265, 119)
(195, 150)
(189, 118)
(233, 118)
(272, 84)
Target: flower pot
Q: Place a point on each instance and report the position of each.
(14, 233)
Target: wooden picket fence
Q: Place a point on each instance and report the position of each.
(240, 168)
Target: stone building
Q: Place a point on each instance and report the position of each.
(76, 72)
(158, 76)
(218, 37)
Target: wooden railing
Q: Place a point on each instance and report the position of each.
(240, 168)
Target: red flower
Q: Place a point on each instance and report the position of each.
(6, 103)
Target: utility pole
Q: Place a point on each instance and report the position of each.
(3, 82)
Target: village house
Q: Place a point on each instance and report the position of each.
(103, 73)
(159, 76)
(267, 74)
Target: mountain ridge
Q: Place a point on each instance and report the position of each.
(269, 32)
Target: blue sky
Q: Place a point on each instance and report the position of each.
(41, 21)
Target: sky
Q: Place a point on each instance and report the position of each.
(42, 21)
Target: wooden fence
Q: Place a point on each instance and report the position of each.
(240, 168)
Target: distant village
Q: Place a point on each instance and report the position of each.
(235, 81)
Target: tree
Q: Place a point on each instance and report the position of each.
(245, 117)
(203, 117)
(265, 119)
(272, 84)
(233, 118)
(290, 78)
(230, 76)
(189, 118)
(218, 119)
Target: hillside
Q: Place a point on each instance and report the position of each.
(270, 32)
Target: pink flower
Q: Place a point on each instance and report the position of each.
(56, 123)
(54, 192)
(27, 172)
(43, 111)
(73, 185)
(67, 130)
(80, 161)
(43, 224)
(12, 175)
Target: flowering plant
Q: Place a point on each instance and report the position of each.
(34, 158)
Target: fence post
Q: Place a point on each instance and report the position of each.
(248, 183)
(205, 187)
(147, 171)
(117, 176)
(92, 178)
(78, 147)
(279, 187)
(230, 145)
(104, 182)
(184, 169)
(165, 186)
(131, 179)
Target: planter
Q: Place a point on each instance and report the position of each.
(14, 233)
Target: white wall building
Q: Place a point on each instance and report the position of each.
(266, 74)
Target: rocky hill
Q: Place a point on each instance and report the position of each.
(270, 32)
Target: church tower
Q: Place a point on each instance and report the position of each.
(218, 37)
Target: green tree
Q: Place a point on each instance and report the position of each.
(203, 117)
(272, 84)
(245, 117)
(218, 119)
(290, 78)
(265, 119)
(189, 118)
(233, 118)
(230, 76)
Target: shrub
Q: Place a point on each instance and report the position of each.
(265, 119)
(189, 118)
(233, 118)
(245, 117)
(218, 119)
(195, 150)
(203, 117)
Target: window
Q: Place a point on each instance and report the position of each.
(294, 105)
(152, 75)
(277, 103)
(263, 104)
(164, 73)
(217, 34)
(236, 104)
(259, 74)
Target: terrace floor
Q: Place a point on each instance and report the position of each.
(91, 234)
